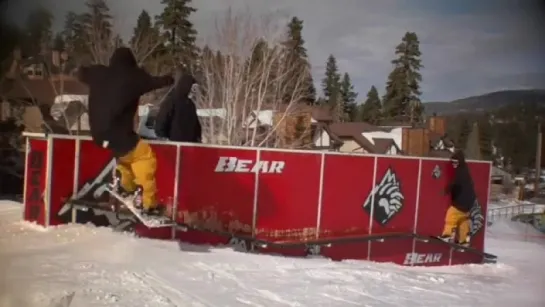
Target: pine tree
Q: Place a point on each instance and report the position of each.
(38, 32)
(371, 110)
(297, 55)
(330, 83)
(179, 31)
(472, 148)
(58, 42)
(349, 97)
(10, 36)
(336, 104)
(393, 101)
(463, 135)
(98, 30)
(73, 33)
(259, 52)
(300, 132)
(486, 140)
(402, 98)
(143, 27)
(145, 41)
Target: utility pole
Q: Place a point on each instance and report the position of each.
(538, 157)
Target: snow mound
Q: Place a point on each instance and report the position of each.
(105, 268)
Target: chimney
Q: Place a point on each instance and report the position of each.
(405, 133)
(437, 124)
(415, 141)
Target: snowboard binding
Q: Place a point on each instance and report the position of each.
(449, 238)
(116, 184)
(138, 203)
(453, 238)
(137, 198)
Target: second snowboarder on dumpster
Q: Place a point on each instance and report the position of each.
(464, 214)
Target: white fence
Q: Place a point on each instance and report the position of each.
(507, 212)
(526, 226)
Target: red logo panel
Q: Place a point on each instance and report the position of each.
(393, 199)
(433, 203)
(392, 204)
(166, 172)
(62, 176)
(348, 180)
(288, 196)
(35, 180)
(480, 172)
(93, 160)
(216, 188)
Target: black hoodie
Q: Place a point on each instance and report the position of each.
(114, 94)
(177, 119)
(461, 188)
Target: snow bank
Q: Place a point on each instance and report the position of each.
(104, 268)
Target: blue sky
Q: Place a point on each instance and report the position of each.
(469, 47)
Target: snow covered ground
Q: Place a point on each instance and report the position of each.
(103, 268)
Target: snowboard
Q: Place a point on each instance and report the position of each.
(150, 221)
(457, 247)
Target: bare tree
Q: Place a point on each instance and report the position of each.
(145, 45)
(248, 74)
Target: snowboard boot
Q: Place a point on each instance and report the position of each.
(158, 210)
(446, 238)
(137, 198)
(465, 243)
(449, 238)
(116, 185)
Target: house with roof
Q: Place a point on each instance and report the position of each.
(429, 139)
(358, 137)
(31, 87)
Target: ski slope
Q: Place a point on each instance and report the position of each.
(102, 268)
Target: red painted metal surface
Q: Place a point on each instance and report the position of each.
(278, 196)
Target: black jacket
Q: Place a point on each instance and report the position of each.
(177, 118)
(114, 93)
(461, 190)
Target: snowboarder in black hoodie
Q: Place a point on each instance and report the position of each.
(114, 94)
(463, 201)
(177, 119)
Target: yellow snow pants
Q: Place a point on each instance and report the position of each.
(456, 219)
(138, 168)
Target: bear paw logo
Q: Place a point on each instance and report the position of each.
(386, 199)
(477, 218)
(436, 174)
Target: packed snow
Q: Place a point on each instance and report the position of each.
(38, 267)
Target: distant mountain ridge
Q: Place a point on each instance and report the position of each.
(485, 102)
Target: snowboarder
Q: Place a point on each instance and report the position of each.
(463, 200)
(177, 119)
(114, 93)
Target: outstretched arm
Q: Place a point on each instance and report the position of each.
(88, 74)
(147, 83)
(163, 120)
(183, 85)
